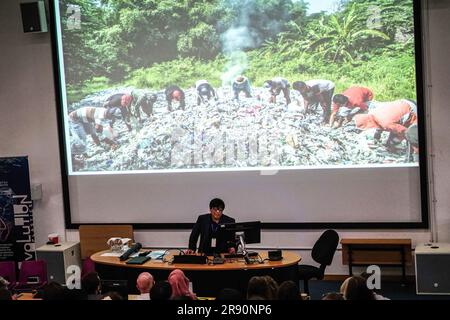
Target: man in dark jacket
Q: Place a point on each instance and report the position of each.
(207, 227)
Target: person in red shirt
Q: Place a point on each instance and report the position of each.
(395, 117)
(352, 101)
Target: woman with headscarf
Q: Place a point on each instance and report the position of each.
(180, 285)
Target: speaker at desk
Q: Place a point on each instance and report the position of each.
(33, 16)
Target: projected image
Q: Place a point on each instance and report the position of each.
(164, 84)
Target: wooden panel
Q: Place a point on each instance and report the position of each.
(377, 241)
(93, 238)
(376, 257)
(376, 251)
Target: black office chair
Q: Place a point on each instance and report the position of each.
(322, 252)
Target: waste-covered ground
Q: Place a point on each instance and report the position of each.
(229, 134)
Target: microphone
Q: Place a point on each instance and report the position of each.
(134, 248)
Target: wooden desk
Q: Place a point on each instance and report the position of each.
(381, 252)
(207, 279)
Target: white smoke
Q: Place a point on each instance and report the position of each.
(240, 37)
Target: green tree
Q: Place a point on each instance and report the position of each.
(336, 38)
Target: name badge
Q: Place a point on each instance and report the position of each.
(213, 242)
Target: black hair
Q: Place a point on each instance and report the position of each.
(5, 294)
(53, 291)
(162, 290)
(229, 294)
(340, 99)
(217, 203)
(299, 86)
(90, 283)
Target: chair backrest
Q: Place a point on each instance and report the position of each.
(33, 271)
(8, 271)
(93, 238)
(325, 247)
(88, 267)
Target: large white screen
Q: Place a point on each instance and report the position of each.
(309, 113)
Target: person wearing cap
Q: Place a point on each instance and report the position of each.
(275, 86)
(315, 92)
(241, 84)
(175, 93)
(91, 121)
(395, 117)
(204, 91)
(352, 101)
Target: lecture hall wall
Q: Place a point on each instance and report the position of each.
(28, 126)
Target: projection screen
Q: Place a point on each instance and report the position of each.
(296, 113)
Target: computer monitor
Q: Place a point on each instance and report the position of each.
(245, 232)
(119, 286)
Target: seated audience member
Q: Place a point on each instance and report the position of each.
(262, 288)
(355, 288)
(180, 285)
(288, 290)
(229, 294)
(53, 291)
(377, 296)
(144, 284)
(112, 295)
(90, 283)
(333, 296)
(5, 294)
(161, 290)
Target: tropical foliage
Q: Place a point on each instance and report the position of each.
(150, 43)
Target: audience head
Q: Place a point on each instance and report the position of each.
(5, 294)
(229, 294)
(162, 290)
(53, 291)
(355, 288)
(332, 296)
(144, 282)
(264, 287)
(91, 283)
(180, 284)
(288, 290)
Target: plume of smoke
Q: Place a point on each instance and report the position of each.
(242, 36)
